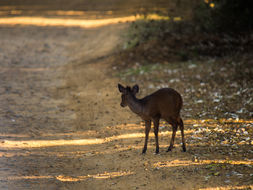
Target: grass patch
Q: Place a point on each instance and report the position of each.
(139, 70)
(149, 27)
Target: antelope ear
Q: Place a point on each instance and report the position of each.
(135, 89)
(121, 88)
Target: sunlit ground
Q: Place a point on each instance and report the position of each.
(63, 178)
(130, 138)
(82, 23)
(40, 21)
(16, 144)
(242, 187)
(49, 143)
(176, 163)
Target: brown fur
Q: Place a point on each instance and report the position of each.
(165, 103)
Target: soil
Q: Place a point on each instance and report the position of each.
(62, 126)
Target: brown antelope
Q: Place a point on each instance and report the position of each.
(165, 103)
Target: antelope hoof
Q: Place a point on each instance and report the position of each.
(184, 149)
(169, 149)
(144, 151)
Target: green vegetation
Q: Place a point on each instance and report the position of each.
(144, 30)
(229, 16)
(139, 70)
(218, 28)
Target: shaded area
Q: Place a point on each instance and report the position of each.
(92, 9)
(177, 39)
(211, 89)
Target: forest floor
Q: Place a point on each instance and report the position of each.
(62, 127)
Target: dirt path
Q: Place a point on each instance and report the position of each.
(54, 89)
(61, 125)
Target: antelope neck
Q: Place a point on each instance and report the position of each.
(135, 105)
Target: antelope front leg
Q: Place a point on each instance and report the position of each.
(147, 129)
(156, 129)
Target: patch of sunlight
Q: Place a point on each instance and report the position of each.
(156, 17)
(41, 21)
(75, 142)
(176, 19)
(66, 13)
(229, 187)
(13, 135)
(139, 135)
(39, 69)
(48, 143)
(105, 175)
(126, 136)
(176, 163)
(212, 5)
(222, 120)
(26, 177)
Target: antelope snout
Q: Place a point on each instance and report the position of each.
(122, 105)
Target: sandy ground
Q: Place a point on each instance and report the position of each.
(62, 127)
(45, 73)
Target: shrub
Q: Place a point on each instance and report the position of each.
(229, 16)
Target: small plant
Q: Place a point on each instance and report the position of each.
(142, 69)
(145, 29)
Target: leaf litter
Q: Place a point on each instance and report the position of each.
(217, 109)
